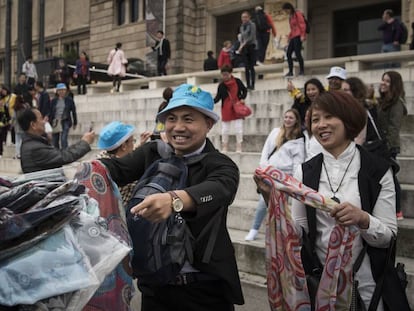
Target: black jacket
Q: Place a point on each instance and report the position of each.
(210, 63)
(164, 48)
(372, 170)
(212, 184)
(44, 103)
(222, 92)
(37, 154)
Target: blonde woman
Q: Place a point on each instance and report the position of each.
(284, 149)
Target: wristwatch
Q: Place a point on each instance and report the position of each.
(177, 204)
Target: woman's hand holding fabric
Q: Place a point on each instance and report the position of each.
(347, 214)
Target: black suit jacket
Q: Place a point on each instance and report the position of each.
(164, 47)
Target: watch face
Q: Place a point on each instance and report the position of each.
(177, 205)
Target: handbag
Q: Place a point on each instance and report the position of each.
(397, 276)
(56, 126)
(241, 110)
(380, 147)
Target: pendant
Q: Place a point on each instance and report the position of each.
(336, 199)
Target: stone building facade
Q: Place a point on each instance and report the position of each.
(192, 26)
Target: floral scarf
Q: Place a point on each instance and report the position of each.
(286, 281)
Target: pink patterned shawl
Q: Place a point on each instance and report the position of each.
(286, 281)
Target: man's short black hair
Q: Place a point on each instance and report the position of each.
(389, 12)
(210, 53)
(26, 117)
(39, 84)
(161, 32)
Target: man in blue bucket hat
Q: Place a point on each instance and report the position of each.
(211, 187)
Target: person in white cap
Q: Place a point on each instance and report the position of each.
(335, 77)
(211, 187)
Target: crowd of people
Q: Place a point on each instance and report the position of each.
(325, 141)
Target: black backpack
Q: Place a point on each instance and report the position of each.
(262, 25)
(161, 249)
(308, 26)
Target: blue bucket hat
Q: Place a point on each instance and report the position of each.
(191, 96)
(114, 135)
(61, 86)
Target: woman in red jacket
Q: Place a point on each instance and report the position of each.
(297, 35)
(224, 56)
(229, 91)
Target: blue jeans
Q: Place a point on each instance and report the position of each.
(260, 214)
(62, 136)
(389, 47)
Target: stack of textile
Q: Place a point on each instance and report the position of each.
(55, 248)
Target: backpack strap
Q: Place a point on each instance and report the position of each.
(215, 222)
(164, 149)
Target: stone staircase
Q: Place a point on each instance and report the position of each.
(268, 102)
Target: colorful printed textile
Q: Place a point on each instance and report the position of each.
(286, 280)
(115, 291)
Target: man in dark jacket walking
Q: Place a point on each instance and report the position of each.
(36, 152)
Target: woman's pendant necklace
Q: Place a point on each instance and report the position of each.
(343, 177)
(335, 199)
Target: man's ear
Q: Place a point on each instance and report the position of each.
(210, 123)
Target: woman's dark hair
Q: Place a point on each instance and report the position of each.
(396, 86)
(19, 103)
(226, 68)
(316, 83)
(118, 45)
(358, 89)
(86, 55)
(5, 88)
(167, 94)
(39, 84)
(288, 6)
(26, 117)
(343, 106)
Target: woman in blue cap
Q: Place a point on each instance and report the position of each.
(117, 140)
